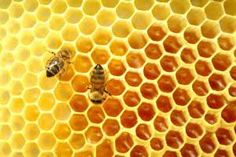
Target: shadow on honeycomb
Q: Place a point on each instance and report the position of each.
(171, 68)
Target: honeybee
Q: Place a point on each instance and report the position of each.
(56, 65)
(97, 85)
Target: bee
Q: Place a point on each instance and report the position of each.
(56, 65)
(97, 87)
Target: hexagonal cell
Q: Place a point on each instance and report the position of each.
(112, 107)
(121, 29)
(96, 114)
(161, 11)
(176, 23)
(133, 78)
(210, 118)
(169, 63)
(163, 103)
(106, 17)
(180, 6)
(207, 143)
(203, 68)
(141, 20)
(233, 72)
(156, 32)
(73, 16)
(78, 119)
(229, 6)
(196, 16)
(82, 64)
(153, 51)
(210, 10)
(228, 24)
(31, 131)
(128, 119)
(189, 150)
(200, 88)
(171, 44)
(143, 131)
(115, 87)
(137, 40)
(28, 21)
(151, 71)
(93, 135)
(31, 95)
(63, 149)
(41, 31)
(195, 109)
(174, 139)
(78, 103)
(11, 43)
(5, 149)
(63, 91)
(100, 56)
(15, 10)
(6, 132)
(109, 3)
(105, 148)
(228, 113)
(146, 111)
(217, 82)
(4, 115)
(206, 48)
(111, 127)
(215, 101)
(16, 88)
(156, 144)
(191, 35)
(125, 10)
(210, 29)
(143, 5)
(26, 37)
(54, 41)
(46, 141)
(232, 90)
(84, 44)
(116, 67)
(16, 106)
(31, 149)
(226, 42)
(80, 83)
(13, 26)
(46, 101)
(160, 124)
(30, 5)
(188, 56)
(139, 150)
(181, 97)
(17, 141)
(148, 90)
(46, 121)
(91, 7)
(184, 76)
(224, 136)
(193, 130)
(4, 97)
(118, 47)
(221, 61)
(31, 113)
(221, 152)
(4, 17)
(77, 141)
(177, 118)
(102, 36)
(124, 142)
(85, 22)
(199, 3)
(59, 7)
(56, 22)
(43, 13)
(62, 131)
(131, 98)
(69, 32)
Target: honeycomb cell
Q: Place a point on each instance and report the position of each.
(78, 103)
(62, 131)
(143, 131)
(30, 5)
(106, 17)
(148, 90)
(5, 149)
(31, 113)
(14, 26)
(221, 61)
(46, 141)
(80, 83)
(56, 22)
(17, 123)
(210, 10)
(210, 29)
(196, 109)
(85, 22)
(95, 114)
(69, 33)
(163, 103)
(189, 150)
(77, 141)
(16, 88)
(17, 71)
(215, 101)
(46, 101)
(229, 112)
(176, 23)
(133, 78)
(181, 97)
(46, 121)
(143, 5)
(110, 3)
(131, 98)
(224, 136)
(4, 4)
(228, 24)
(156, 32)
(125, 10)
(191, 35)
(91, 7)
(31, 131)
(63, 91)
(63, 149)
(128, 119)
(217, 82)
(168, 63)
(174, 139)
(73, 16)
(105, 148)
(112, 107)
(146, 111)
(93, 134)
(4, 115)
(161, 12)
(232, 90)
(229, 7)
(54, 41)
(115, 87)
(102, 36)
(199, 87)
(199, 3)
(17, 141)
(124, 142)
(171, 44)
(153, 51)
(193, 130)
(5, 133)
(118, 47)
(203, 68)
(111, 127)
(28, 21)
(137, 40)
(4, 17)
(16, 105)
(82, 64)
(206, 49)
(156, 144)
(78, 119)
(31, 149)
(84, 44)
(180, 6)
(160, 124)
(73, 3)
(15, 10)
(141, 20)
(210, 118)
(177, 118)
(138, 150)
(59, 7)
(100, 56)
(233, 72)
(43, 13)
(225, 42)
(40, 31)
(151, 71)
(11, 43)
(196, 16)
(221, 152)
(184, 76)
(116, 67)
(207, 144)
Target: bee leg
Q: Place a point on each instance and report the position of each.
(107, 92)
(52, 53)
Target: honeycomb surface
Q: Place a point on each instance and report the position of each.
(171, 68)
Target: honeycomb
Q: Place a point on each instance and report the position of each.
(171, 69)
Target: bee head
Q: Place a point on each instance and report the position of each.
(98, 67)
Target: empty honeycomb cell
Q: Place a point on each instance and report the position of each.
(225, 42)
(181, 97)
(106, 17)
(3, 33)
(139, 150)
(229, 112)
(174, 139)
(224, 136)
(5, 115)
(11, 43)
(229, 6)
(84, 44)
(233, 72)
(63, 91)
(196, 16)
(4, 17)
(143, 5)
(30, 5)
(31, 113)
(184, 76)
(141, 20)
(91, 7)
(77, 141)
(100, 56)
(221, 152)
(228, 24)
(143, 131)
(67, 75)
(82, 64)
(56, 22)
(4, 96)
(207, 143)
(87, 25)
(203, 68)
(210, 118)
(14, 26)
(17, 71)
(148, 90)
(78, 119)
(179, 6)
(73, 3)
(31, 149)
(62, 131)
(80, 83)
(232, 90)
(191, 35)
(131, 98)
(211, 12)
(156, 32)
(137, 40)
(43, 13)
(206, 48)
(54, 41)
(125, 10)
(93, 134)
(46, 121)
(128, 119)
(151, 71)
(96, 114)
(116, 67)
(73, 16)
(5, 149)
(28, 20)
(178, 118)
(17, 141)
(133, 78)
(189, 150)
(46, 141)
(163, 103)
(16, 106)
(153, 51)
(121, 29)
(221, 61)
(69, 33)
(102, 36)
(217, 82)
(112, 107)
(40, 31)
(146, 111)
(171, 44)
(46, 83)
(16, 88)
(78, 103)
(31, 131)
(111, 127)
(210, 29)
(215, 101)
(17, 123)
(27, 38)
(115, 87)
(193, 130)
(58, 7)
(15, 10)
(161, 12)
(6, 132)
(62, 111)
(196, 109)
(160, 124)
(200, 88)
(124, 142)
(199, 3)
(176, 23)
(5, 4)
(110, 3)
(63, 149)
(104, 149)
(118, 47)
(156, 144)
